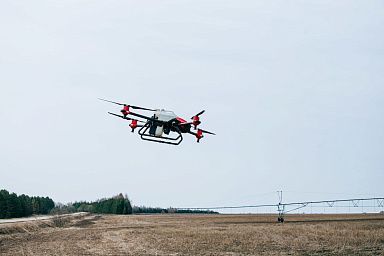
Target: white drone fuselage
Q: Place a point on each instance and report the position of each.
(163, 115)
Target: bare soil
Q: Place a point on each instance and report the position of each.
(172, 234)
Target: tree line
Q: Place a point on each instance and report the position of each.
(150, 210)
(14, 206)
(116, 205)
(119, 205)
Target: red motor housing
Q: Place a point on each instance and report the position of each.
(196, 121)
(125, 110)
(133, 125)
(199, 135)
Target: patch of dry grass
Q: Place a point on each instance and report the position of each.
(201, 235)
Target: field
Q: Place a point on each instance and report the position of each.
(361, 234)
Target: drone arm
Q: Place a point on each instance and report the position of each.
(126, 118)
(193, 133)
(187, 123)
(146, 117)
(123, 117)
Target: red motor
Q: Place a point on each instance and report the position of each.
(133, 125)
(125, 110)
(199, 135)
(196, 121)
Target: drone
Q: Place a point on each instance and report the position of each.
(162, 126)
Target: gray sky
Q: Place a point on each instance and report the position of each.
(294, 90)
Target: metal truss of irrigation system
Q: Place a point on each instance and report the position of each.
(281, 207)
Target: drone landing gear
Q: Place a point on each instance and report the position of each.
(167, 140)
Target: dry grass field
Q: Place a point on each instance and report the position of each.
(196, 235)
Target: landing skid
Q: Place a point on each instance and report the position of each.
(162, 139)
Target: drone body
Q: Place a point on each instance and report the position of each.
(159, 126)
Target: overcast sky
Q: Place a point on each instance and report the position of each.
(293, 89)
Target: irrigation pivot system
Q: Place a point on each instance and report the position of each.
(283, 208)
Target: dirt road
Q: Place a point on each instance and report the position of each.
(37, 218)
(196, 235)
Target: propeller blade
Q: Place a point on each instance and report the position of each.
(131, 106)
(117, 103)
(126, 118)
(136, 107)
(198, 114)
(204, 131)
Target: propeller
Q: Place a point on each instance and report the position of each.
(204, 131)
(126, 105)
(200, 132)
(198, 114)
(196, 119)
